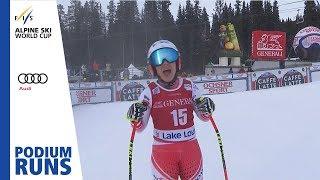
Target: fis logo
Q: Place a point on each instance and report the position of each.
(25, 15)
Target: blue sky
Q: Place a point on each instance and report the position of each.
(287, 8)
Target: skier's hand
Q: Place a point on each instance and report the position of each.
(136, 111)
(204, 105)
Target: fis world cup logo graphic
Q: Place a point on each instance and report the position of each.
(25, 16)
(30, 32)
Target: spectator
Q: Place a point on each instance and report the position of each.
(242, 70)
(184, 74)
(84, 72)
(230, 71)
(83, 69)
(135, 77)
(95, 68)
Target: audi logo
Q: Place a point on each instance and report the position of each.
(32, 78)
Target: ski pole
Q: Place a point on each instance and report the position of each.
(134, 128)
(221, 148)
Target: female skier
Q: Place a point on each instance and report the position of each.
(170, 101)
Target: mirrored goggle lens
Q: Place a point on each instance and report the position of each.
(164, 54)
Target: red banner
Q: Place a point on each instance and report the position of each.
(268, 45)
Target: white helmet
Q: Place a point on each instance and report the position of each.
(161, 44)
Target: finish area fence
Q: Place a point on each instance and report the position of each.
(99, 92)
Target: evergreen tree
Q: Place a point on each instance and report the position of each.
(291, 28)
(189, 37)
(103, 18)
(256, 8)
(205, 40)
(151, 22)
(245, 32)
(132, 22)
(231, 13)
(96, 24)
(62, 17)
(167, 26)
(93, 28)
(237, 8)
(238, 18)
(165, 15)
(181, 19)
(205, 25)
(180, 22)
(111, 16)
(197, 10)
(267, 19)
(225, 16)
(311, 14)
(219, 4)
(75, 44)
(114, 43)
(197, 43)
(190, 16)
(125, 36)
(130, 34)
(64, 31)
(214, 43)
(275, 15)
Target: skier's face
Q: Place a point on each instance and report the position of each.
(166, 71)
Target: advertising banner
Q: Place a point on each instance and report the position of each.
(89, 96)
(306, 44)
(314, 73)
(103, 84)
(74, 85)
(268, 45)
(278, 78)
(83, 85)
(130, 90)
(87, 85)
(224, 77)
(223, 86)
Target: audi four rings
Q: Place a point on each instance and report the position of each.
(32, 78)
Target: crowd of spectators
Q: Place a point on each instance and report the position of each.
(97, 72)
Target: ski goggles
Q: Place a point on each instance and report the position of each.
(164, 54)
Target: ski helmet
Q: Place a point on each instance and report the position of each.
(160, 45)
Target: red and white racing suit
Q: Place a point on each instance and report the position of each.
(175, 150)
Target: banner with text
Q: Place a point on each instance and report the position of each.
(130, 90)
(268, 45)
(90, 96)
(314, 73)
(223, 86)
(278, 78)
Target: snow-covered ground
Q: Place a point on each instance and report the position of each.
(269, 134)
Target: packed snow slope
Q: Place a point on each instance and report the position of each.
(269, 134)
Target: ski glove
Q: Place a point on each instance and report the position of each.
(204, 105)
(136, 111)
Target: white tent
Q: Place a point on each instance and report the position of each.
(132, 71)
